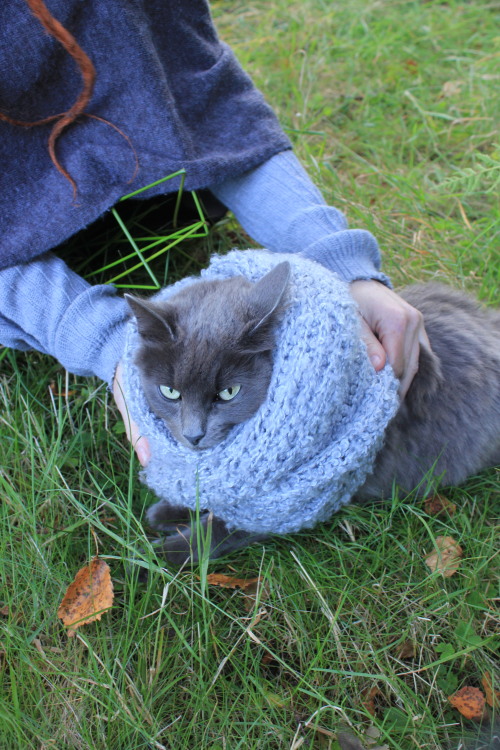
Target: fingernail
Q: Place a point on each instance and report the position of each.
(376, 361)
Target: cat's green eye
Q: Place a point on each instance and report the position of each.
(229, 393)
(169, 393)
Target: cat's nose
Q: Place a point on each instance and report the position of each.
(194, 439)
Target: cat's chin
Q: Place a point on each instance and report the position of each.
(198, 448)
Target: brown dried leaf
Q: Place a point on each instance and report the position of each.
(230, 582)
(437, 505)
(38, 645)
(446, 556)
(4, 611)
(470, 701)
(492, 696)
(255, 591)
(268, 659)
(63, 394)
(369, 696)
(90, 594)
(451, 88)
(406, 650)
(411, 65)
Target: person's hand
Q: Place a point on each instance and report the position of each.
(391, 328)
(139, 443)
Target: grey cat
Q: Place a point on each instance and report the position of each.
(206, 363)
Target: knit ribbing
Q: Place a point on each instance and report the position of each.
(313, 441)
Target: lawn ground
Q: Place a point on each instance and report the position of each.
(393, 109)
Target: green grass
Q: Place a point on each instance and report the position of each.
(393, 109)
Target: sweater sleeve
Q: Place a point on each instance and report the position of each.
(46, 306)
(280, 207)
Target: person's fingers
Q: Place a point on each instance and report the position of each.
(139, 443)
(400, 335)
(376, 352)
(398, 327)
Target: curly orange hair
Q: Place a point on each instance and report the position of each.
(53, 27)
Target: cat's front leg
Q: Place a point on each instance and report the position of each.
(164, 517)
(189, 542)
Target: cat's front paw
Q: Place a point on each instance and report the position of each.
(167, 518)
(212, 538)
(178, 549)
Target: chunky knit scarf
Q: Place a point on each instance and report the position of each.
(313, 441)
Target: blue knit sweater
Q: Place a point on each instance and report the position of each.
(166, 80)
(163, 78)
(312, 443)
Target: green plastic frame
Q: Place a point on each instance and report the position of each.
(141, 246)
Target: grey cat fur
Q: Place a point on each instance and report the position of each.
(447, 427)
(449, 423)
(206, 338)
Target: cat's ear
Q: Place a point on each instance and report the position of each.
(265, 299)
(153, 324)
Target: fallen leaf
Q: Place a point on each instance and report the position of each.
(446, 557)
(107, 520)
(411, 65)
(437, 505)
(268, 659)
(406, 650)
(372, 733)
(348, 741)
(275, 700)
(88, 596)
(230, 582)
(372, 736)
(254, 592)
(451, 88)
(492, 696)
(369, 696)
(470, 701)
(4, 611)
(38, 645)
(63, 394)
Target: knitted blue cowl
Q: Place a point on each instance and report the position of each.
(313, 441)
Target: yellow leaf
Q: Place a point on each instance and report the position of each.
(275, 700)
(446, 557)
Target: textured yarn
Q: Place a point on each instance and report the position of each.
(313, 441)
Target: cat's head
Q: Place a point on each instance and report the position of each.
(205, 357)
